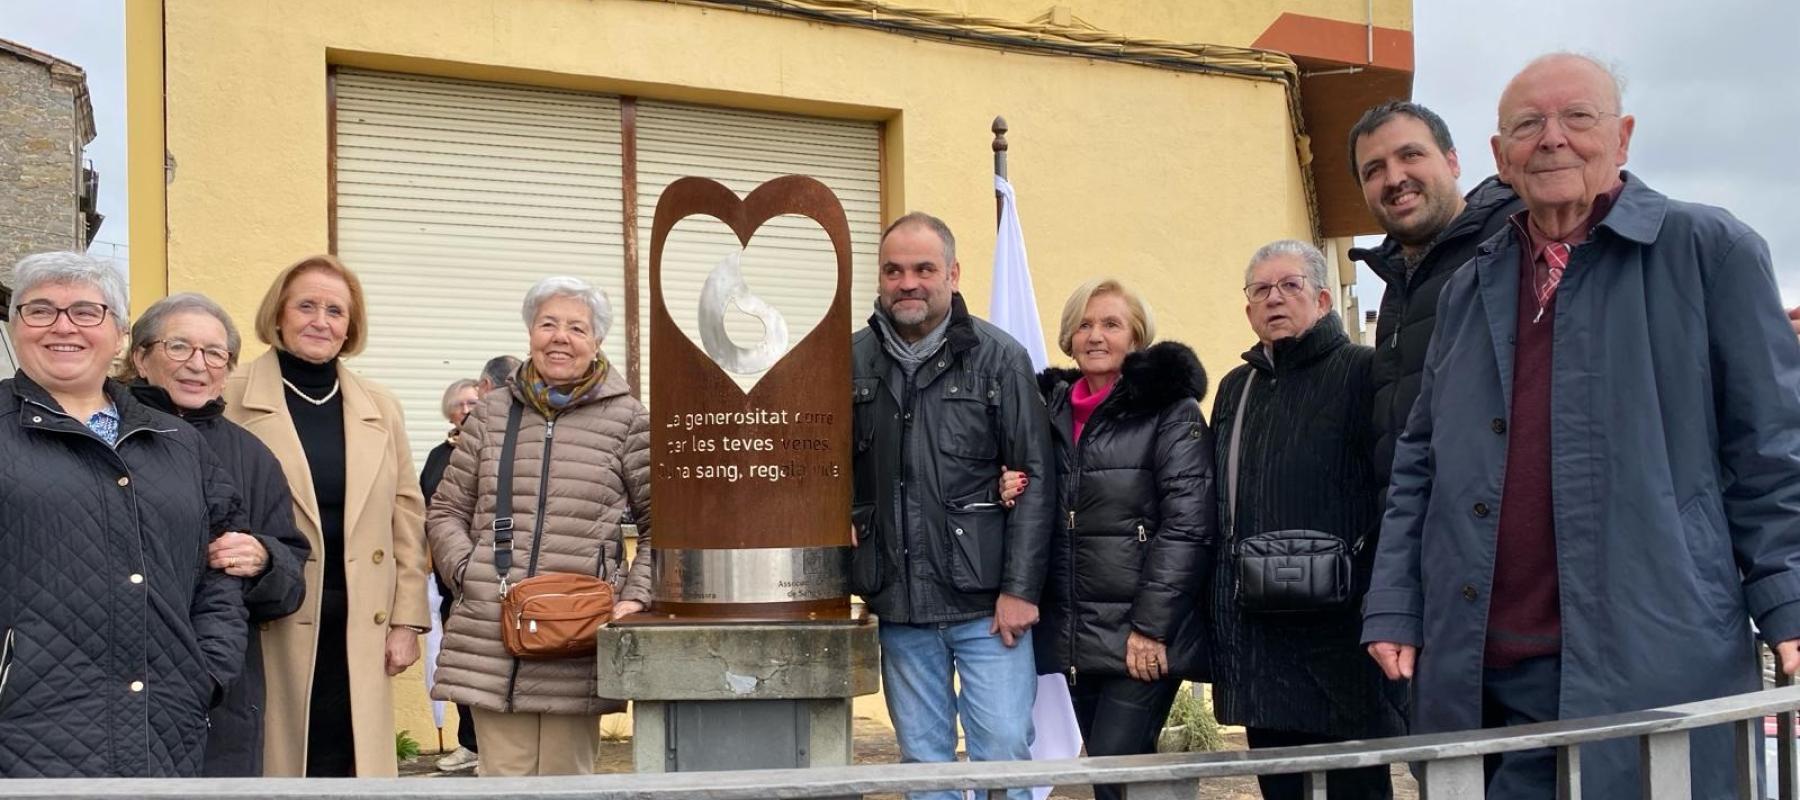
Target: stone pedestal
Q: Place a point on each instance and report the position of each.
(724, 696)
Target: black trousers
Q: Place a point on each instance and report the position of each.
(465, 716)
(1529, 691)
(330, 738)
(1363, 783)
(1120, 716)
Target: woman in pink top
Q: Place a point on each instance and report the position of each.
(1133, 547)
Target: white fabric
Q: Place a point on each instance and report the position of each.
(434, 641)
(1014, 309)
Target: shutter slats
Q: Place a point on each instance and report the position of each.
(455, 196)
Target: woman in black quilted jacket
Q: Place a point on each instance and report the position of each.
(1132, 550)
(116, 637)
(182, 347)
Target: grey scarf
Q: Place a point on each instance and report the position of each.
(910, 356)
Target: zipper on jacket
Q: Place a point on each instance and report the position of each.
(1141, 535)
(537, 537)
(1071, 674)
(6, 659)
(1071, 519)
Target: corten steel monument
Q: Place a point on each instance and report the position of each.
(752, 651)
(752, 489)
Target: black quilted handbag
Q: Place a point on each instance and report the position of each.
(1288, 571)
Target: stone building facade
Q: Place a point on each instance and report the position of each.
(47, 194)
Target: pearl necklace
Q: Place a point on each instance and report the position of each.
(335, 385)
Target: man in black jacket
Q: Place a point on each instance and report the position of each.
(943, 403)
(1403, 158)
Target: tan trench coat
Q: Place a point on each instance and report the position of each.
(385, 562)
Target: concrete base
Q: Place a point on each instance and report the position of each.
(739, 696)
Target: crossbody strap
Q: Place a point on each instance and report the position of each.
(1231, 459)
(503, 520)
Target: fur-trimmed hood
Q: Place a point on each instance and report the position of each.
(1149, 381)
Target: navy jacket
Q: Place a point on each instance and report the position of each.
(117, 636)
(1675, 466)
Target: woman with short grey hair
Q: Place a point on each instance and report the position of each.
(115, 635)
(580, 463)
(181, 350)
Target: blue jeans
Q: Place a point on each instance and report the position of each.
(999, 685)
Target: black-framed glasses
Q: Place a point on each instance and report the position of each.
(1291, 286)
(43, 314)
(1573, 118)
(180, 351)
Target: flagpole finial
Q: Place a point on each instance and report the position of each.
(999, 134)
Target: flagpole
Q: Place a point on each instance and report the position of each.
(999, 130)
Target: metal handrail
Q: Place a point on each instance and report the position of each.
(1453, 767)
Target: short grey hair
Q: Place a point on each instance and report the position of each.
(455, 388)
(499, 369)
(64, 269)
(1317, 270)
(599, 308)
(937, 226)
(149, 327)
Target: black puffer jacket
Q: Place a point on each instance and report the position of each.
(1303, 464)
(1133, 543)
(118, 638)
(235, 746)
(1409, 306)
(935, 544)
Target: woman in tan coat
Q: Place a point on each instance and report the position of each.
(580, 463)
(342, 442)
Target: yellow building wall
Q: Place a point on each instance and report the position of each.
(1166, 179)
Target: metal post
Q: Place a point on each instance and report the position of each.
(1453, 779)
(1746, 746)
(1665, 770)
(1568, 773)
(999, 130)
(1787, 787)
(1316, 785)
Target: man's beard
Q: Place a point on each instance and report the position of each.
(912, 315)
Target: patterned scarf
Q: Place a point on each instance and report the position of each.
(550, 400)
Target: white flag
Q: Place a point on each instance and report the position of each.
(1013, 307)
(1014, 310)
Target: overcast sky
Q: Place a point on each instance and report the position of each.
(1712, 84)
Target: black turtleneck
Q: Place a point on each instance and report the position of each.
(321, 431)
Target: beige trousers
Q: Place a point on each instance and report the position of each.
(537, 744)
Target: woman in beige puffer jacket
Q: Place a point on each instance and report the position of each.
(581, 461)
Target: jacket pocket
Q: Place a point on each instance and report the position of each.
(1717, 580)
(868, 560)
(977, 534)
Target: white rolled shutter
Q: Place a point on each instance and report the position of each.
(453, 198)
(790, 262)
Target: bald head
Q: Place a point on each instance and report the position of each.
(1571, 63)
(1562, 138)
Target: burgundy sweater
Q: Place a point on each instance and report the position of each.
(1524, 615)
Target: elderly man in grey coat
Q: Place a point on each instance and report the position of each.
(1599, 488)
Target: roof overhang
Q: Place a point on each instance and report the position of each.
(1345, 68)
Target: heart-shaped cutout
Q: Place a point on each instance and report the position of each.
(746, 304)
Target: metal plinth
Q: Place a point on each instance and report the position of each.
(753, 576)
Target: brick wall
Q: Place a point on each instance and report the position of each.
(38, 160)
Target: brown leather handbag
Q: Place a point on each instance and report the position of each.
(549, 616)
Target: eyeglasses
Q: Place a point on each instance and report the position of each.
(1574, 118)
(1291, 286)
(181, 352)
(42, 314)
